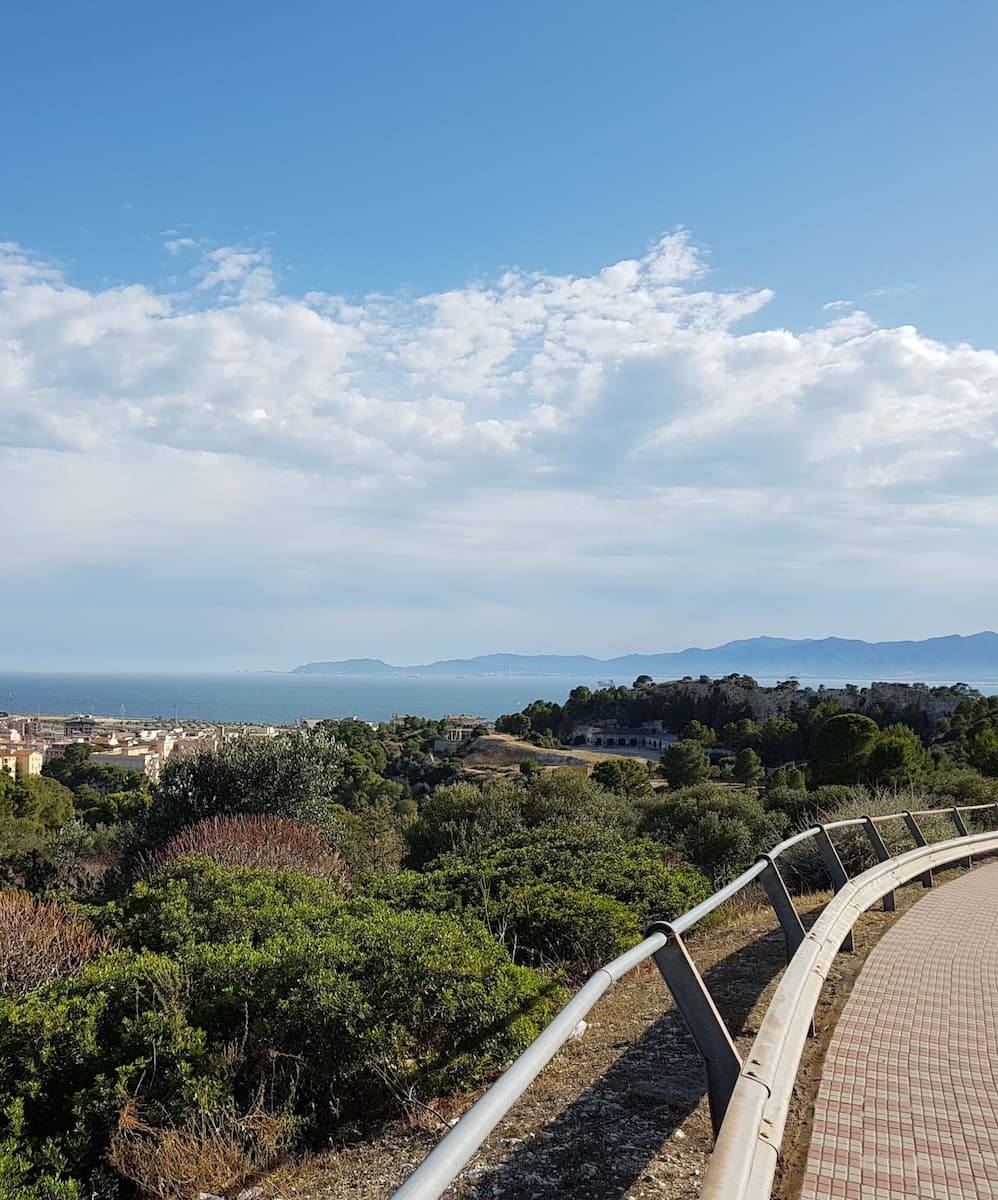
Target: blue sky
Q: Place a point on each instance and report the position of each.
(427, 330)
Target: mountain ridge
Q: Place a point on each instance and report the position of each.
(975, 655)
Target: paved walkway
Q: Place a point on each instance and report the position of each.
(908, 1103)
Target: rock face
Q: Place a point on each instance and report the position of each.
(776, 702)
(763, 703)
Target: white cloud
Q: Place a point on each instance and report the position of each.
(582, 444)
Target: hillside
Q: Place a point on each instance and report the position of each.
(500, 751)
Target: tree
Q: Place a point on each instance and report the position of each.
(981, 750)
(696, 731)
(358, 737)
(748, 768)
(736, 735)
(897, 757)
(530, 767)
(779, 741)
(842, 748)
(74, 770)
(44, 802)
(788, 775)
(685, 763)
(293, 776)
(515, 724)
(623, 776)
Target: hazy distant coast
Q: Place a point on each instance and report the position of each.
(950, 658)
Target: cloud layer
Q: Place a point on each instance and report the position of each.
(600, 463)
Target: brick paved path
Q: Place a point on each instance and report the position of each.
(908, 1103)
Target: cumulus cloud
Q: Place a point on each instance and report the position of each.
(544, 432)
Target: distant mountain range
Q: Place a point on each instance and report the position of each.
(949, 658)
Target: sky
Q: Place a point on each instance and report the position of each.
(422, 331)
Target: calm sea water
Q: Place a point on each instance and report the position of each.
(283, 699)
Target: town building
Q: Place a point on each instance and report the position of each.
(130, 760)
(28, 761)
(646, 741)
(82, 726)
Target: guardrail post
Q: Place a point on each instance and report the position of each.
(836, 872)
(961, 829)
(919, 837)
(720, 1058)
(783, 906)
(880, 850)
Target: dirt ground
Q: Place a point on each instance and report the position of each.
(621, 1112)
(500, 751)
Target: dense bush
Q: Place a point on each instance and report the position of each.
(23, 1179)
(573, 865)
(271, 981)
(718, 828)
(961, 787)
(796, 804)
(195, 901)
(466, 818)
(253, 840)
(577, 927)
(567, 797)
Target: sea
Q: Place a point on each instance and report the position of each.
(284, 699)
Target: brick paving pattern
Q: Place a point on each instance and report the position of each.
(908, 1102)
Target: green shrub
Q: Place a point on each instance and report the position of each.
(720, 829)
(639, 876)
(961, 787)
(196, 901)
(797, 804)
(568, 797)
(577, 927)
(73, 1052)
(331, 1009)
(23, 1179)
(464, 817)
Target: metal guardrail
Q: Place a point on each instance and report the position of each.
(743, 1164)
(748, 1141)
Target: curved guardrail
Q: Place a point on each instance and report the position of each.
(744, 1159)
(743, 1164)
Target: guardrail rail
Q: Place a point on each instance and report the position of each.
(748, 1101)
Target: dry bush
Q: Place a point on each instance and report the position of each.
(40, 941)
(801, 866)
(253, 840)
(212, 1152)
